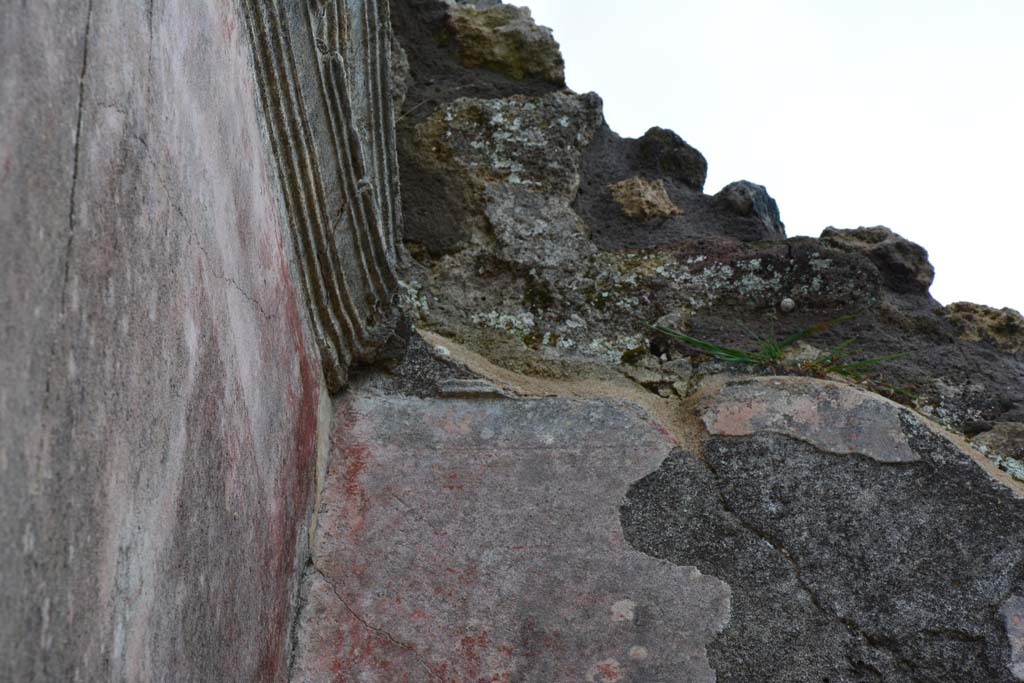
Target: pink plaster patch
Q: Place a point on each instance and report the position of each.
(483, 537)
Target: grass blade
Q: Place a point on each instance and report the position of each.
(715, 350)
(836, 352)
(873, 361)
(814, 329)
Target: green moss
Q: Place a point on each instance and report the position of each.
(522, 52)
(1006, 324)
(538, 295)
(634, 355)
(533, 340)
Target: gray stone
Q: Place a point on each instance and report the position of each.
(1005, 439)
(533, 229)
(753, 201)
(401, 74)
(530, 143)
(533, 141)
(469, 388)
(475, 3)
(1004, 444)
(480, 540)
(904, 265)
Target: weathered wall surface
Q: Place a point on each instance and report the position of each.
(160, 379)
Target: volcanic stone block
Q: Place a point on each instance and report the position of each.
(1003, 328)
(753, 201)
(663, 152)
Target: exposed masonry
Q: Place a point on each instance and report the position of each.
(336, 160)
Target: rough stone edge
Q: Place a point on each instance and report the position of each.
(713, 385)
(307, 531)
(712, 413)
(678, 417)
(672, 416)
(1013, 616)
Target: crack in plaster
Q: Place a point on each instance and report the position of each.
(852, 627)
(77, 151)
(411, 649)
(293, 628)
(219, 275)
(71, 221)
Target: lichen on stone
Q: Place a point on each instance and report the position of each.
(1004, 445)
(1003, 328)
(504, 38)
(643, 198)
(535, 141)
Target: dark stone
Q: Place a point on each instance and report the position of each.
(1002, 328)
(1004, 444)
(975, 427)
(842, 568)
(776, 631)
(955, 379)
(419, 373)
(974, 378)
(904, 265)
(505, 39)
(666, 155)
(753, 201)
(434, 210)
(437, 75)
(659, 155)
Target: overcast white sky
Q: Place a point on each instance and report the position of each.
(904, 113)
